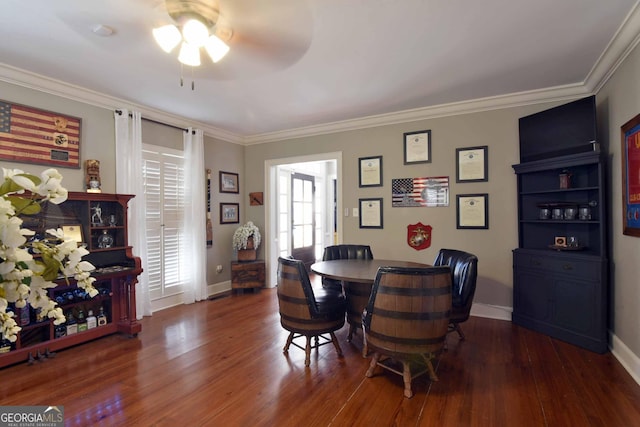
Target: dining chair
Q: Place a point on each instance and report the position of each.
(406, 320)
(357, 294)
(305, 311)
(464, 274)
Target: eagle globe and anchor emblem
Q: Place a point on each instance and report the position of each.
(419, 236)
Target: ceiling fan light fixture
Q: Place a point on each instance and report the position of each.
(167, 37)
(195, 32)
(216, 48)
(189, 54)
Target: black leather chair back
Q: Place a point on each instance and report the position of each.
(464, 273)
(347, 252)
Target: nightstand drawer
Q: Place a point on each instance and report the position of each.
(247, 274)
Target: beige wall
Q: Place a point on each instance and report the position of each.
(97, 137)
(497, 129)
(223, 156)
(618, 102)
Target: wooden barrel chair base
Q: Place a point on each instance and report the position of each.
(408, 369)
(308, 347)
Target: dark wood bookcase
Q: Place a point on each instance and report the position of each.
(116, 275)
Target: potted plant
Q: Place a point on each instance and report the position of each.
(246, 240)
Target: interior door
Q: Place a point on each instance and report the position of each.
(303, 218)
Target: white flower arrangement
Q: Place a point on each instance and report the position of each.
(24, 279)
(242, 234)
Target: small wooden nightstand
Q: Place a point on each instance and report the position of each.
(247, 275)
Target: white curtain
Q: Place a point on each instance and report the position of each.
(129, 181)
(194, 261)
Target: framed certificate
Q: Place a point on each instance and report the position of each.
(370, 171)
(73, 232)
(472, 164)
(417, 147)
(371, 213)
(472, 211)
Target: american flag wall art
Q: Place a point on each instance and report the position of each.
(427, 191)
(30, 135)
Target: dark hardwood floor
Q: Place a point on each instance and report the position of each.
(220, 363)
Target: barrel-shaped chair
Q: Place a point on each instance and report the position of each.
(357, 294)
(305, 311)
(406, 320)
(464, 274)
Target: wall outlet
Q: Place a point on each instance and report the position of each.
(219, 269)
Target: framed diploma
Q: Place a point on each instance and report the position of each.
(73, 232)
(370, 171)
(417, 147)
(371, 213)
(472, 211)
(630, 155)
(472, 164)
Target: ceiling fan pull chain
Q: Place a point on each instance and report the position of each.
(181, 78)
(193, 83)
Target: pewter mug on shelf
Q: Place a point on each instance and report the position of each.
(557, 213)
(545, 213)
(584, 213)
(570, 213)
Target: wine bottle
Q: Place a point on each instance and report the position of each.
(102, 318)
(82, 321)
(92, 321)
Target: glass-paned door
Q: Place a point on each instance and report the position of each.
(303, 218)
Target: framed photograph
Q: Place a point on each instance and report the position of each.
(39, 136)
(73, 232)
(371, 213)
(370, 171)
(472, 164)
(229, 213)
(472, 211)
(229, 182)
(630, 155)
(417, 147)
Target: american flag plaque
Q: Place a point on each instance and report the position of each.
(42, 137)
(429, 191)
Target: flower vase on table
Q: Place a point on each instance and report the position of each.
(246, 241)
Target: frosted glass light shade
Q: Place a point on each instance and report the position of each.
(189, 54)
(216, 48)
(167, 37)
(195, 33)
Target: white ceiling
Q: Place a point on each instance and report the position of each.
(308, 63)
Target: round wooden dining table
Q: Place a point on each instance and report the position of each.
(358, 270)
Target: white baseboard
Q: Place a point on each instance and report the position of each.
(626, 357)
(218, 288)
(491, 311)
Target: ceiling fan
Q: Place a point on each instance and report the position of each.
(195, 19)
(261, 35)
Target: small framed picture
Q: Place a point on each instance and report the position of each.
(370, 171)
(229, 182)
(417, 147)
(73, 232)
(472, 211)
(472, 164)
(371, 213)
(229, 213)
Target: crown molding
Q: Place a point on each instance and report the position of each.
(559, 93)
(623, 42)
(62, 89)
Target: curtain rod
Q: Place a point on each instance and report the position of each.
(159, 123)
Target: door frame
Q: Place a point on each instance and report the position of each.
(270, 179)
